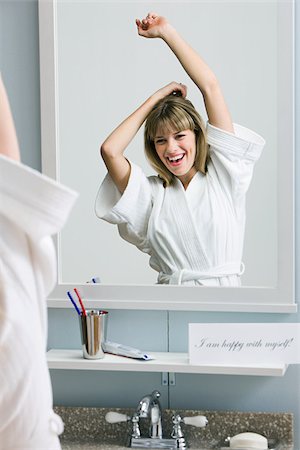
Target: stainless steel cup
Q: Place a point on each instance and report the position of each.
(93, 333)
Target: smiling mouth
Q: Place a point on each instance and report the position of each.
(175, 159)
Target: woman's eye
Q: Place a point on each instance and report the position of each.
(180, 136)
(160, 141)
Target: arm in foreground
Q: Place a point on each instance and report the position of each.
(8, 139)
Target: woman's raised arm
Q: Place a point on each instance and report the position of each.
(112, 149)
(155, 26)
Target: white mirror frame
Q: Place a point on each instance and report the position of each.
(277, 299)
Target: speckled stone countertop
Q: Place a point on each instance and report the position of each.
(86, 428)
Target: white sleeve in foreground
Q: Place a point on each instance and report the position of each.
(34, 202)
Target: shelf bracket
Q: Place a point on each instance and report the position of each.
(172, 381)
(168, 379)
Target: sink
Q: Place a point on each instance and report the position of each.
(97, 434)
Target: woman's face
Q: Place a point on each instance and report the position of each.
(177, 151)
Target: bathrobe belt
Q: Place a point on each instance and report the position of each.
(180, 276)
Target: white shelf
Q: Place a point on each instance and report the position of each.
(163, 362)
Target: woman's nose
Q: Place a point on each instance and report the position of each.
(171, 145)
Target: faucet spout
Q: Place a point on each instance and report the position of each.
(149, 407)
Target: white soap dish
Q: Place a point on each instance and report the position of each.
(249, 441)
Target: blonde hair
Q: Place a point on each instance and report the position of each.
(173, 113)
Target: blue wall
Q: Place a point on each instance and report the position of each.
(20, 71)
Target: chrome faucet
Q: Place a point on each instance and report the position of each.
(149, 407)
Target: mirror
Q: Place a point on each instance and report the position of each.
(95, 71)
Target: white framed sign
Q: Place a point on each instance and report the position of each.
(244, 343)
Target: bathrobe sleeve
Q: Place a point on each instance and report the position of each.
(32, 208)
(37, 205)
(233, 156)
(130, 210)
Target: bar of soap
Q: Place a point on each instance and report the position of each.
(249, 441)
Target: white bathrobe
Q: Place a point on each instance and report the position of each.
(32, 208)
(193, 236)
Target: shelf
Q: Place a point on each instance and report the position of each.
(163, 362)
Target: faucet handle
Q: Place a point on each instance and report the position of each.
(196, 421)
(177, 431)
(136, 434)
(114, 417)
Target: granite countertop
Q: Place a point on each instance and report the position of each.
(86, 428)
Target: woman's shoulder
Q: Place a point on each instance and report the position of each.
(243, 141)
(242, 138)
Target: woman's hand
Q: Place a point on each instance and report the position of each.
(174, 88)
(152, 26)
(155, 26)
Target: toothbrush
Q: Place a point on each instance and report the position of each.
(80, 301)
(96, 280)
(74, 304)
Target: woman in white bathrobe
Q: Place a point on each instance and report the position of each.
(190, 218)
(32, 208)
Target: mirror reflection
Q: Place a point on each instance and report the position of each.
(191, 219)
